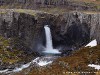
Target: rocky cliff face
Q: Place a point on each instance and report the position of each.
(77, 28)
(70, 30)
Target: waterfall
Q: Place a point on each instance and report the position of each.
(48, 37)
(39, 61)
(49, 46)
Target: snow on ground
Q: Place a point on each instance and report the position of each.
(94, 66)
(92, 43)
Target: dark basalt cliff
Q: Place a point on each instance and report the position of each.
(70, 30)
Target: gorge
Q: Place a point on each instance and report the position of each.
(28, 31)
(80, 28)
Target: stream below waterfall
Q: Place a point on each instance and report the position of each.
(45, 60)
(37, 62)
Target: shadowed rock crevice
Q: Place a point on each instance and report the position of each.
(71, 32)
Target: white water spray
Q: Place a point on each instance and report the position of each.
(39, 61)
(49, 47)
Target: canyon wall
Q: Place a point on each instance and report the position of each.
(72, 29)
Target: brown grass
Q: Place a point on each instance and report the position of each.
(89, 1)
(77, 62)
(11, 56)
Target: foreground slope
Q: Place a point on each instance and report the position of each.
(77, 62)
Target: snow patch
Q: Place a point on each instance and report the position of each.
(92, 43)
(94, 66)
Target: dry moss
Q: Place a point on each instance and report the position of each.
(77, 62)
(11, 55)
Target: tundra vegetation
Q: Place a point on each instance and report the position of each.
(77, 61)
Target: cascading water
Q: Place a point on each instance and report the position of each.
(39, 61)
(49, 47)
(48, 37)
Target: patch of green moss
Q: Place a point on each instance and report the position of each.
(11, 55)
